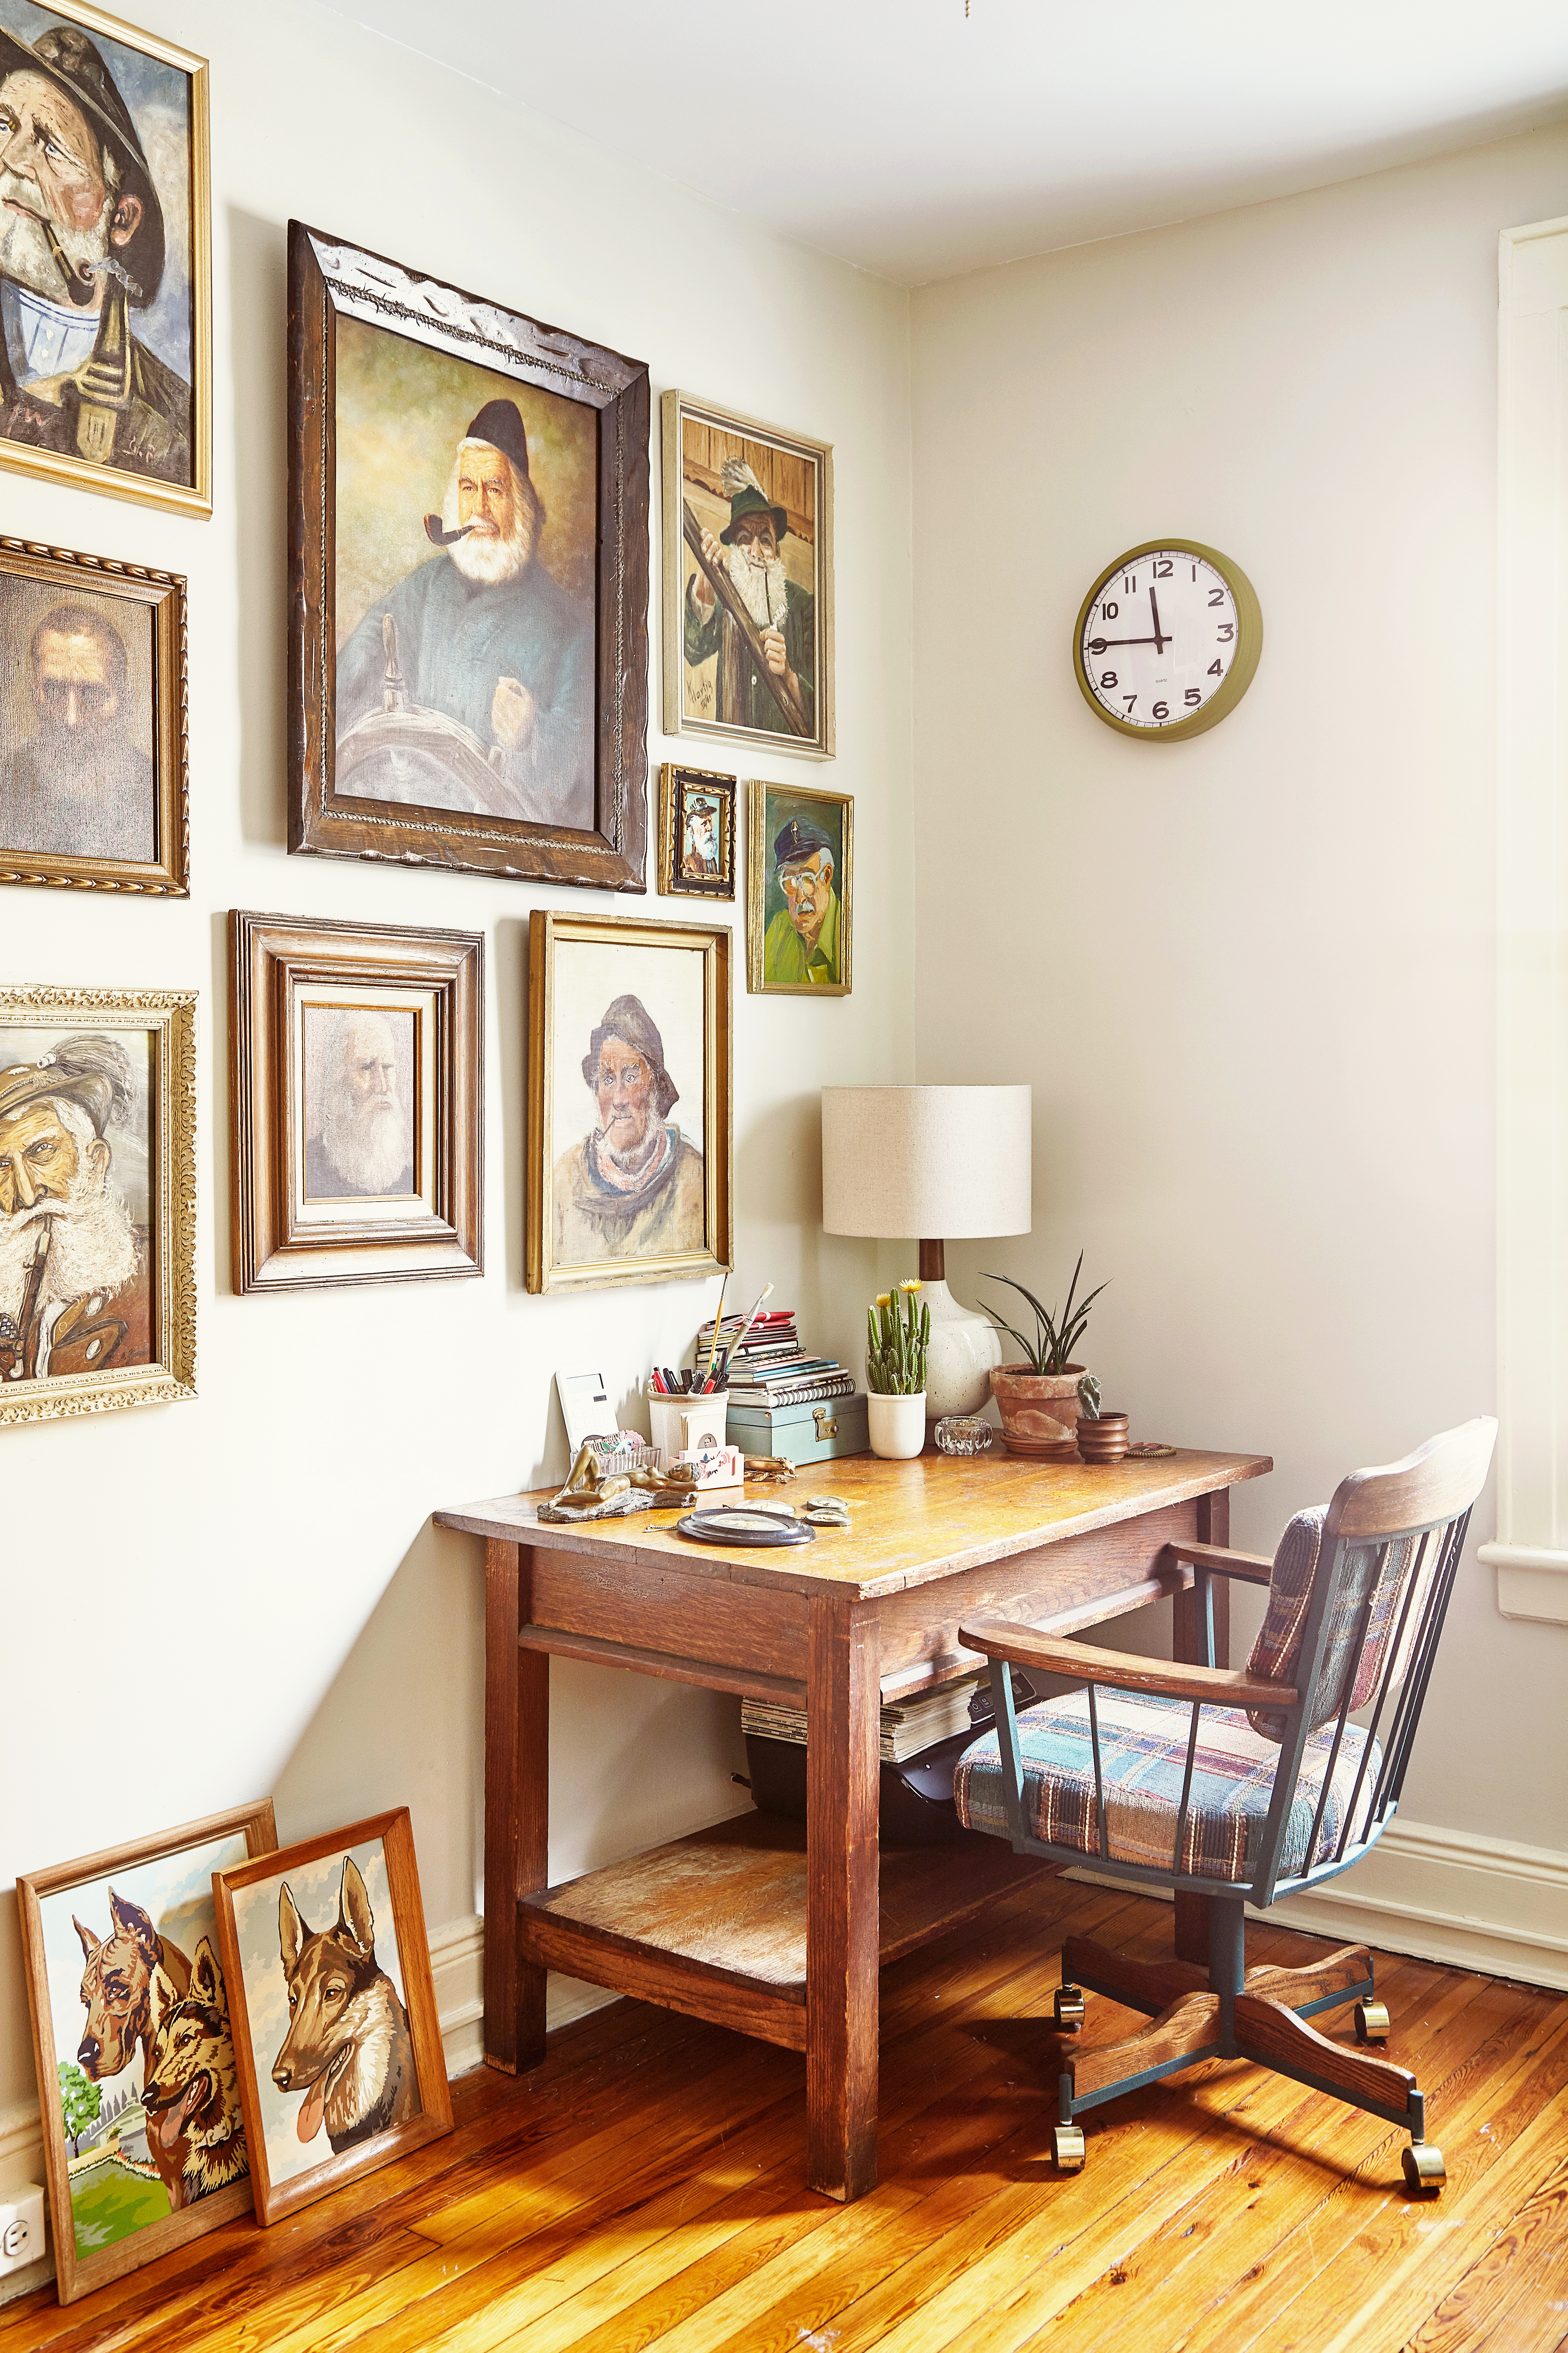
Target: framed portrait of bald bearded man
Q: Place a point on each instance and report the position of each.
(629, 1120)
(468, 501)
(748, 580)
(105, 310)
(96, 1201)
(94, 790)
(357, 1055)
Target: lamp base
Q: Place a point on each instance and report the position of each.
(963, 1349)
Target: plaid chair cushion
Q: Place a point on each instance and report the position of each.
(1277, 1647)
(1143, 1755)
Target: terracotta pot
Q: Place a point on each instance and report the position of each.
(1039, 1410)
(1103, 1439)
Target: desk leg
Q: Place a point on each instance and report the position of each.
(1213, 1527)
(843, 1777)
(517, 1809)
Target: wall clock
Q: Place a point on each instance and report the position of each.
(1167, 640)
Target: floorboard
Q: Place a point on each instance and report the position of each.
(644, 2188)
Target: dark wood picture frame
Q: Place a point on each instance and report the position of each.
(274, 959)
(675, 780)
(80, 2274)
(329, 278)
(69, 574)
(273, 2201)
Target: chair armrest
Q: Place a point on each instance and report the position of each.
(1252, 1567)
(998, 1638)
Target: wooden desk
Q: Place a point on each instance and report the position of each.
(746, 1924)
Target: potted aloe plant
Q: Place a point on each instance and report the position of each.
(896, 1333)
(1038, 1399)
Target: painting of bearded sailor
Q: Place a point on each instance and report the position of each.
(359, 1116)
(470, 684)
(73, 1265)
(634, 1187)
(748, 552)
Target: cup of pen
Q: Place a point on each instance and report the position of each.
(686, 1425)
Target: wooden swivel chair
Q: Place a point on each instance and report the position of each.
(1243, 1786)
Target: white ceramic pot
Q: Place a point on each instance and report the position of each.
(897, 1425)
(686, 1425)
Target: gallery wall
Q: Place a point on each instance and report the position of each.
(245, 1594)
(1251, 977)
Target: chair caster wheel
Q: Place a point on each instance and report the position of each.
(1066, 2149)
(1371, 2022)
(1068, 2006)
(1424, 2172)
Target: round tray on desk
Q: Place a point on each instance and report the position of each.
(749, 1524)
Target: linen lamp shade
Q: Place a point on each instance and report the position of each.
(928, 1163)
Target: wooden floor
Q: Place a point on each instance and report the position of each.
(644, 2188)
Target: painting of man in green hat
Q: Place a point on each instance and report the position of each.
(764, 675)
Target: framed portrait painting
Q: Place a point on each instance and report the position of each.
(629, 1120)
(356, 1061)
(145, 2142)
(335, 2033)
(800, 887)
(696, 833)
(93, 789)
(748, 580)
(98, 1216)
(105, 302)
(468, 515)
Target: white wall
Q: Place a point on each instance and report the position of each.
(244, 1594)
(1251, 977)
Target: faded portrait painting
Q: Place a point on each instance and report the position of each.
(466, 567)
(360, 1104)
(628, 1085)
(98, 193)
(75, 1138)
(76, 724)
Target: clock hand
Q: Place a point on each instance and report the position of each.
(1098, 645)
(1160, 642)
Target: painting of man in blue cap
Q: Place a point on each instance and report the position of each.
(803, 946)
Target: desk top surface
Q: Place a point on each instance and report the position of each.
(911, 1520)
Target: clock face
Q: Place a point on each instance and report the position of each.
(1168, 641)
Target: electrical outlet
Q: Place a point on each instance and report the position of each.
(21, 2228)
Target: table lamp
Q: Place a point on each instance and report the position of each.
(932, 1164)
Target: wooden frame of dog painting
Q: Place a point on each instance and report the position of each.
(335, 2031)
(468, 553)
(144, 2139)
(93, 736)
(748, 580)
(357, 1078)
(627, 1021)
(106, 347)
(695, 832)
(98, 1143)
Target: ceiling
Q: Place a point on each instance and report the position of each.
(918, 144)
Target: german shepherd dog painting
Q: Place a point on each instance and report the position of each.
(348, 2046)
(132, 1979)
(192, 2091)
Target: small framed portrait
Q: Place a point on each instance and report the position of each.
(97, 1223)
(335, 2034)
(93, 785)
(630, 1118)
(799, 891)
(356, 1058)
(748, 580)
(696, 833)
(105, 295)
(468, 518)
(145, 2142)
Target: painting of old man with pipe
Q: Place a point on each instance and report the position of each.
(466, 550)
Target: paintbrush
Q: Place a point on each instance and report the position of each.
(717, 1319)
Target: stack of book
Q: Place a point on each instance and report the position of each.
(909, 1725)
(770, 1367)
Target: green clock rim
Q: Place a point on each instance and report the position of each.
(1242, 670)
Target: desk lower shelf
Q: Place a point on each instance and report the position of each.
(715, 1924)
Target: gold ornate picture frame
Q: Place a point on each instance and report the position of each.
(800, 890)
(122, 403)
(98, 1143)
(94, 749)
(695, 832)
(356, 1076)
(630, 1122)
